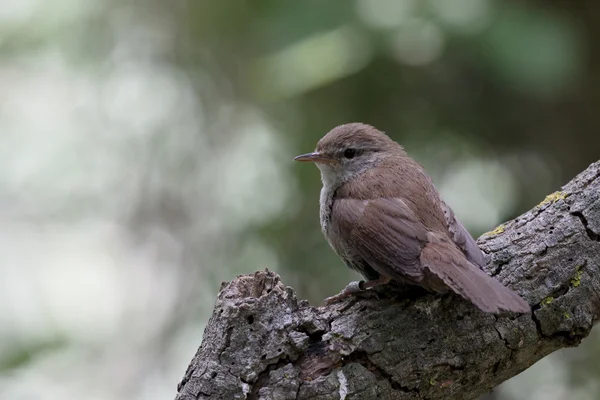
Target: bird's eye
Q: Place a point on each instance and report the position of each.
(349, 153)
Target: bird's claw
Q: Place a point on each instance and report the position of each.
(352, 288)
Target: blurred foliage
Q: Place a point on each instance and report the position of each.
(146, 155)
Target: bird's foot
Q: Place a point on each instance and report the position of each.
(352, 288)
(355, 287)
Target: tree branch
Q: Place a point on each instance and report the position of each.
(262, 343)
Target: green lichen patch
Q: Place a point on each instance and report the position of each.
(576, 280)
(433, 381)
(547, 300)
(552, 198)
(496, 231)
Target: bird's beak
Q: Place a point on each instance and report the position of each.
(314, 157)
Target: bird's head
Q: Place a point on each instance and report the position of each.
(348, 151)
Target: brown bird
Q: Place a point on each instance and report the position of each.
(383, 216)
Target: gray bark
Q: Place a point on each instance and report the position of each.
(399, 343)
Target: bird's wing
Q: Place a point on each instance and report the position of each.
(462, 238)
(445, 260)
(384, 232)
(388, 236)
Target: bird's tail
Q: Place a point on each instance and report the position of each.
(449, 264)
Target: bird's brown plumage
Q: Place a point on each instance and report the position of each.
(387, 220)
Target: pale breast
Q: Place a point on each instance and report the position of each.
(337, 238)
(330, 228)
(325, 204)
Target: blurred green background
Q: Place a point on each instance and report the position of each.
(146, 155)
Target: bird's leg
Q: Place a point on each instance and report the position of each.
(356, 287)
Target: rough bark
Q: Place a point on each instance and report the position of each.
(263, 343)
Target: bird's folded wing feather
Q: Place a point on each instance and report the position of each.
(462, 238)
(384, 232)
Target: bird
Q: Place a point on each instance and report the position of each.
(383, 216)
